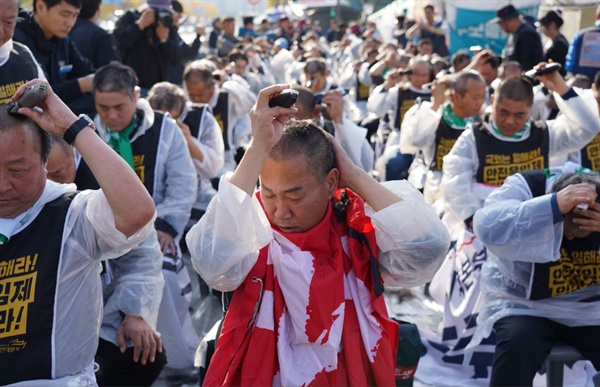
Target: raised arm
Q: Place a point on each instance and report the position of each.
(351, 176)
(130, 202)
(578, 125)
(267, 128)
(224, 244)
(412, 240)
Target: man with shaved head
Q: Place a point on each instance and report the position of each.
(430, 129)
(52, 240)
(393, 99)
(306, 257)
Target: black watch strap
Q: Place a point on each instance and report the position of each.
(75, 128)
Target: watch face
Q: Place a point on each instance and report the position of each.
(90, 122)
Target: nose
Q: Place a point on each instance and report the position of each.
(71, 21)
(282, 211)
(509, 120)
(113, 115)
(5, 185)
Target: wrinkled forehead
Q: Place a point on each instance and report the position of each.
(22, 132)
(10, 5)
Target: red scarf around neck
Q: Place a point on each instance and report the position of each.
(317, 317)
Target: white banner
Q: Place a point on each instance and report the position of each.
(317, 3)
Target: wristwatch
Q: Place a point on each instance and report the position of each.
(77, 126)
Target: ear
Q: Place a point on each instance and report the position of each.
(332, 180)
(316, 112)
(491, 99)
(456, 96)
(137, 92)
(40, 6)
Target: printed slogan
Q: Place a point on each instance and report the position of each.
(18, 278)
(498, 166)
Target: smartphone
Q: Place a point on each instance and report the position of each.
(319, 97)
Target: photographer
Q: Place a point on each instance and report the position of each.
(45, 32)
(327, 111)
(431, 28)
(145, 41)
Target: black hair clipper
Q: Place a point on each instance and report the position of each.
(31, 97)
(549, 68)
(285, 99)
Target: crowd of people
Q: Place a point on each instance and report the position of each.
(399, 165)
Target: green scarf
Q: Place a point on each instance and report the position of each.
(517, 135)
(453, 120)
(120, 142)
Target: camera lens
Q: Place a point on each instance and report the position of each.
(165, 17)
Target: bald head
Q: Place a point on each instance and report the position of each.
(305, 103)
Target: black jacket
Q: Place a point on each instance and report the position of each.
(94, 43)
(143, 51)
(558, 52)
(187, 53)
(527, 47)
(60, 59)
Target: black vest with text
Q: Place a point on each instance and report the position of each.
(195, 118)
(18, 70)
(221, 113)
(29, 265)
(363, 91)
(406, 99)
(590, 154)
(579, 263)
(445, 137)
(145, 153)
(500, 159)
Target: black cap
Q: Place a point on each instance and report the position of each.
(529, 20)
(505, 13)
(552, 16)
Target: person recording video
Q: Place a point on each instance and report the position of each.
(146, 44)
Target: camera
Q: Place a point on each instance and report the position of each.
(319, 97)
(164, 16)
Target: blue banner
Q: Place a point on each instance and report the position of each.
(472, 29)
